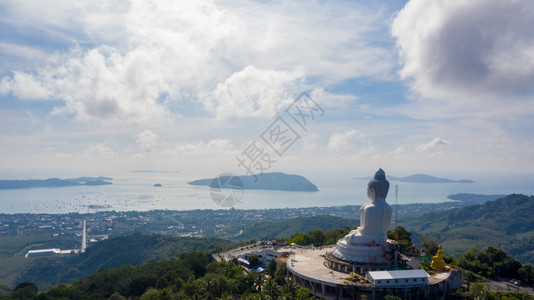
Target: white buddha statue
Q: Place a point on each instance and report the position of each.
(375, 218)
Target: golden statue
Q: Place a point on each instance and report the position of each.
(437, 261)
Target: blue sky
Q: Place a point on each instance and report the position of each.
(416, 86)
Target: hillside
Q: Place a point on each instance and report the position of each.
(112, 253)
(505, 223)
(287, 228)
(192, 275)
(422, 178)
(268, 181)
(474, 198)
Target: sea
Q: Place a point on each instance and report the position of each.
(135, 191)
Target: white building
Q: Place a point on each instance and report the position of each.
(265, 255)
(397, 278)
(43, 252)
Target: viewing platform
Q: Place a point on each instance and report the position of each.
(309, 268)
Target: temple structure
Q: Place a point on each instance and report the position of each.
(365, 264)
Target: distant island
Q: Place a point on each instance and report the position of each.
(269, 181)
(474, 198)
(53, 182)
(157, 185)
(422, 178)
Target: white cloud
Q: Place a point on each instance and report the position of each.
(331, 99)
(343, 141)
(25, 86)
(397, 152)
(215, 147)
(21, 50)
(146, 139)
(144, 54)
(467, 51)
(99, 151)
(33, 119)
(433, 145)
(253, 93)
(309, 143)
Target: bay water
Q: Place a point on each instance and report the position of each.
(134, 191)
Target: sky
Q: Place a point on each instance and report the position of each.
(438, 86)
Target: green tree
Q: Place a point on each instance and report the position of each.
(280, 274)
(271, 288)
(301, 239)
(430, 246)
(24, 290)
(290, 289)
(478, 290)
(69, 291)
(271, 267)
(333, 235)
(303, 293)
(400, 233)
(254, 261)
(403, 237)
(526, 273)
(317, 237)
(116, 296)
(151, 294)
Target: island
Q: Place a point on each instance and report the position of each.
(423, 178)
(269, 181)
(474, 198)
(157, 185)
(53, 182)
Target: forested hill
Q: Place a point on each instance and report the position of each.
(133, 250)
(287, 228)
(266, 181)
(506, 223)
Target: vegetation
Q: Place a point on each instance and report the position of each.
(403, 237)
(317, 237)
(480, 291)
(196, 275)
(495, 264)
(4, 290)
(474, 198)
(288, 228)
(505, 223)
(193, 275)
(112, 253)
(269, 181)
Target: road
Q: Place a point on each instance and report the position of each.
(505, 286)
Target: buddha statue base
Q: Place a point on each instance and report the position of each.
(364, 254)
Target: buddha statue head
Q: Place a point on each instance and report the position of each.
(378, 187)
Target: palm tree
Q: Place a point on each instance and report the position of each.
(271, 288)
(290, 289)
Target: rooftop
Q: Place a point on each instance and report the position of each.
(45, 250)
(398, 274)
